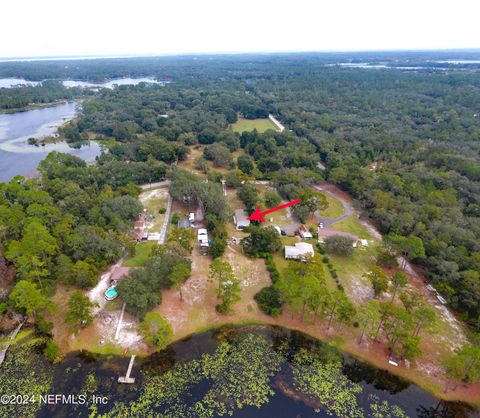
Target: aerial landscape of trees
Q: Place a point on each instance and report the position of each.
(403, 144)
(424, 160)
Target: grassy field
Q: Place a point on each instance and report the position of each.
(141, 256)
(335, 208)
(261, 125)
(352, 225)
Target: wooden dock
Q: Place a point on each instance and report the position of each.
(3, 353)
(127, 378)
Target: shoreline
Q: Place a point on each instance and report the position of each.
(431, 385)
(35, 106)
(354, 350)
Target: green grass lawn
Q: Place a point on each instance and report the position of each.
(356, 265)
(282, 264)
(352, 225)
(261, 125)
(335, 208)
(114, 305)
(142, 254)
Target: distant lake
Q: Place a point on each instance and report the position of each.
(458, 62)
(18, 157)
(15, 82)
(383, 66)
(112, 83)
(20, 82)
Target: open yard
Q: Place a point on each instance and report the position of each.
(154, 200)
(197, 151)
(335, 208)
(353, 226)
(196, 312)
(261, 125)
(142, 252)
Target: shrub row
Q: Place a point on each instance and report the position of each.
(333, 272)
(272, 268)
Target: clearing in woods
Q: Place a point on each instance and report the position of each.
(261, 125)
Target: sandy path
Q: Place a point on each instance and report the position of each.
(96, 294)
(276, 122)
(164, 183)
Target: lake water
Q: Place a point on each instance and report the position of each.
(112, 83)
(459, 62)
(258, 363)
(383, 66)
(17, 157)
(15, 82)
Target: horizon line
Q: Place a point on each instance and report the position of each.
(81, 57)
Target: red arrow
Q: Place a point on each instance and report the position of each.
(258, 216)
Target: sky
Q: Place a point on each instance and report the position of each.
(34, 28)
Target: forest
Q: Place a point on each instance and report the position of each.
(404, 144)
(48, 91)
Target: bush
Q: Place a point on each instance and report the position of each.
(337, 244)
(234, 178)
(161, 211)
(222, 308)
(51, 351)
(272, 268)
(272, 198)
(175, 218)
(268, 300)
(261, 241)
(248, 194)
(387, 259)
(325, 260)
(217, 247)
(321, 249)
(219, 154)
(156, 330)
(43, 326)
(215, 177)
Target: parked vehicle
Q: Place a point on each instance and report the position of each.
(304, 232)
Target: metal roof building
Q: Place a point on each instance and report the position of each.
(240, 219)
(300, 250)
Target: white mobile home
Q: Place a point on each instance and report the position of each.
(240, 219)
(299, 251)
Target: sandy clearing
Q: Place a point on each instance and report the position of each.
(417, 282)
(197, 309)
(105, 328)
(96, 294)
(153, 194)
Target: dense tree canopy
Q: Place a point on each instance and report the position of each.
(403, 143)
